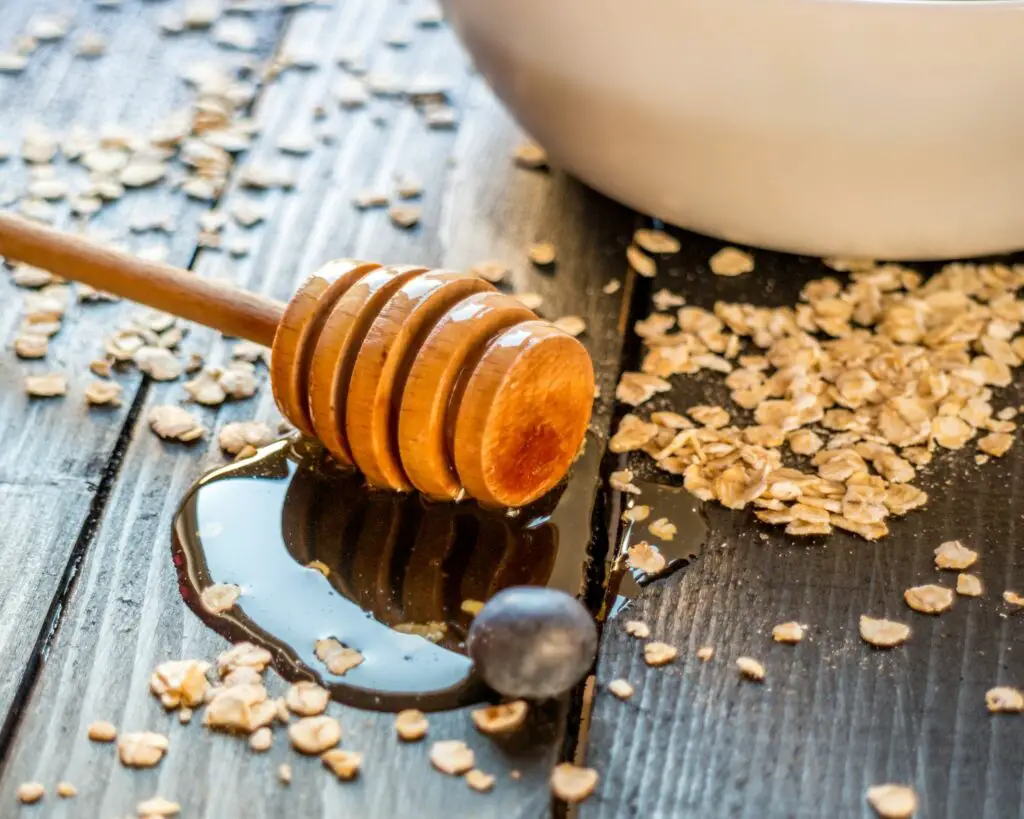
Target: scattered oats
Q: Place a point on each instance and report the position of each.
(490, 270)
(51, 190)
(284, 774)
(432, 630)
(640, 262)
(405, 216)
(344, 764)
(12, 63)
(314, 735)
(30, 345)
(103, 393)
(968, 585)
(235, 33)
(954, 555)
(1004, 700)
(479, 781)
(439, 115)
(542, 253)
(451, 756)
(621, 689)
(370, 199)
(180, 682)
(500, 719)
(705, 653)
(613, 286)
(239, 708)
(573, 783)
(242, 655)
(201, 13)
(239, 247)
(883, 633)
(636, 388)
(91, 44)
(220, 597)
(238, 379)
(261, 739)
(637, 628)
(573, 325)
(656, 241)
(65, 790)
(50, 385)
(1013, 598)
(997, 444)
(142, 749)
(892, 801)
(951, 432)
(530, 155)
(307, 699)
(411, 725)
(622, 481)
(25, 275)
(30, 792)
(663, 529)
(408, 186)
(731, 261)
(248, 351)
(666, 300)
(750, 668)
(48, 28)
(185, 715)
(791, 632)
(338, 658)
(531, 301)
(206, 388)
(637, 513)
(471, 607)
(632, 434)
(38, 145)
(158, 363)
(929, 599)
(101, 731)
(656, 654)
(142, 173)
(157, 806)
(645, 558)
(174, 423)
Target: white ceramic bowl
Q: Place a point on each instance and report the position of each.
(892, 130)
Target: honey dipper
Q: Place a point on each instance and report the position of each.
(424, 379)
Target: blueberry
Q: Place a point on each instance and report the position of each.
(532, 642)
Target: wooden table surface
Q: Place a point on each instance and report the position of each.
(88, 597)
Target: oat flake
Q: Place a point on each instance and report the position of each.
(883, 633)
(573, 783)
(892, 801)
(929, 599)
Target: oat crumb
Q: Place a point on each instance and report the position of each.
(621, 689)
(658, 654)
(731, 261)
(479, 781)
(1013, 598)
(954, 555)
(883, 633)
(314, 735)
(30, 792)
(343, 764)
(1004, 700)
(892, 801)
(411, 725)
(573, 783)
(500, 719)
(791, 632)
(158, 806)
(101, 731)
(637, 628)
(451, 756)
(929, 598)
(542, 254)
(968, 585)
(284, 774)
(65, 790)
(705, 653)
(750, 668)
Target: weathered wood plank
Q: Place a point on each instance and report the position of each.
(59, 446)
(124, 615)
(834, 716)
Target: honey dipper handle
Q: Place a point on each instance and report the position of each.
(232, 311)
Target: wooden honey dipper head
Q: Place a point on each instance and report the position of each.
(422, 379)
(432, 380)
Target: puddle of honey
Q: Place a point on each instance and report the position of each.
(319, 555)
(682, 509)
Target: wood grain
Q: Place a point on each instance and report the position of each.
(124, 614)
(833, 716)
(58, 453)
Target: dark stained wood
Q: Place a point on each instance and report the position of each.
(833, 716)
(57, 452)
(124, 614)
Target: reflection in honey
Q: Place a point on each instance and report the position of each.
(393, 576)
